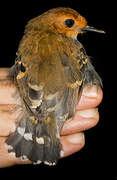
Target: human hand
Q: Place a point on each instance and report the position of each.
(72, 137)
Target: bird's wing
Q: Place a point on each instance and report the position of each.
(49, 84)
(52, 81)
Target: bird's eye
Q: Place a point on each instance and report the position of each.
(69, 22)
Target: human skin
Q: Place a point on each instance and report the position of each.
(72, 135)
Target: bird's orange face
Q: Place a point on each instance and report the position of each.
(69, 25)
(61, 20)
(64, 21)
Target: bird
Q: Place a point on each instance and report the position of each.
(51, 68)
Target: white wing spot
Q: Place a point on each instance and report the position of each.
(61, 153)
(8, 147)
(21, 130)
(40, 140)
(28, 136)
(38, 162)
(49, 163)
(51, 96)
(12, 154)
(35, 87)
(23, 158)
(36, 103)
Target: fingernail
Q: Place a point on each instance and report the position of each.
(89, 113)
(76, 138)
(90, 91)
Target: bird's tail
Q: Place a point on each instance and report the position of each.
(38, 142)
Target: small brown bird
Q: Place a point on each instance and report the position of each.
(50, 72)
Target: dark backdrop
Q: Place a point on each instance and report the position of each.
(95, 159)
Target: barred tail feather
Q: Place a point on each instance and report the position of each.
(38, 144)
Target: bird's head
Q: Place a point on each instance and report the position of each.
(64, 21)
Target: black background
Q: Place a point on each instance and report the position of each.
(96, 158)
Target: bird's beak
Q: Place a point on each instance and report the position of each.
(90, 28)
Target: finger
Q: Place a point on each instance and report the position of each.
(82, 120)
(71, 144)
(8, 159)
(8, 93)
(91, 97)
(4, 73)
(8, 116)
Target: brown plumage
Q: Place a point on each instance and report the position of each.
(50, 71)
